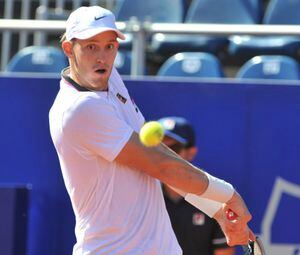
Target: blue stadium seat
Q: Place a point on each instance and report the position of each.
(160, 11)
(45, 13)
(207, 11)
(256, 9)
(270, 67)
(282, 12)
(192, 64)
(277, 12)
(221, 11)
(38, 59)
(123, 62)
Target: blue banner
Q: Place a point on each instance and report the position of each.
(247, 134)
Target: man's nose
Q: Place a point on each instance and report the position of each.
(100, 57)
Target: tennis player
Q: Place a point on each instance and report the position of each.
(113, 180)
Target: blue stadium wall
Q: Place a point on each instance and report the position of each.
(247, 134)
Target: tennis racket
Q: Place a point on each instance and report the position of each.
(254, 247)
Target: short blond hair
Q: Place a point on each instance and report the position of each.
(63, 37)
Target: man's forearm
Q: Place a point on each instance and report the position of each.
(178, 173)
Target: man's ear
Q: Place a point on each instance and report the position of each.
(192, 152)
(67, 48)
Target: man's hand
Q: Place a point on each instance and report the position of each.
(236, 231)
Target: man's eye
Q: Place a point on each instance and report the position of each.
(91, 47)
(111, 46)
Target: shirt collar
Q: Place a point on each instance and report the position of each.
(65, 75)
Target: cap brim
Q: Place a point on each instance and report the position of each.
(175, 137)
(92, 32)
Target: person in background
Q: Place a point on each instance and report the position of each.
(196, 233)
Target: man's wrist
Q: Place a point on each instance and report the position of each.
(209, 207)
(218, 190)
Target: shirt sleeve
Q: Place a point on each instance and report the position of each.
(93, 127)
(218, 239)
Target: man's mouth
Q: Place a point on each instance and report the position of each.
(100, 71)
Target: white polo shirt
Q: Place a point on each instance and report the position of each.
(118, 210)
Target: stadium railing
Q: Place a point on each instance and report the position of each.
(30, 9)
(143, 29)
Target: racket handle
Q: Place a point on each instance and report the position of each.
(231, 215)
(247, 249)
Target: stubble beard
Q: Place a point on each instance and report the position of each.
(93, 84)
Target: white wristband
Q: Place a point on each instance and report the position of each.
(207, 206)
(218, 190)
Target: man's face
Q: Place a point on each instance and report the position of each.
(92, 60)
(174, 145)
(187, 153)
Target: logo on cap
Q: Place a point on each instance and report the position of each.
(101, 17)
(169, 124)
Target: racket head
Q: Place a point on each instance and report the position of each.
(254, 248)
(258, 247)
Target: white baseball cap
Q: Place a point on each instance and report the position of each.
(86, 22)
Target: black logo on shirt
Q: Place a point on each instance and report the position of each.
(121, 98)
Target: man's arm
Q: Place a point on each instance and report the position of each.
(162, 163)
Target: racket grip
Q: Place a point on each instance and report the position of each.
(247, 249)
(231, 215)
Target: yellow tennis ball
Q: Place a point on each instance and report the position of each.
(151, 134)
